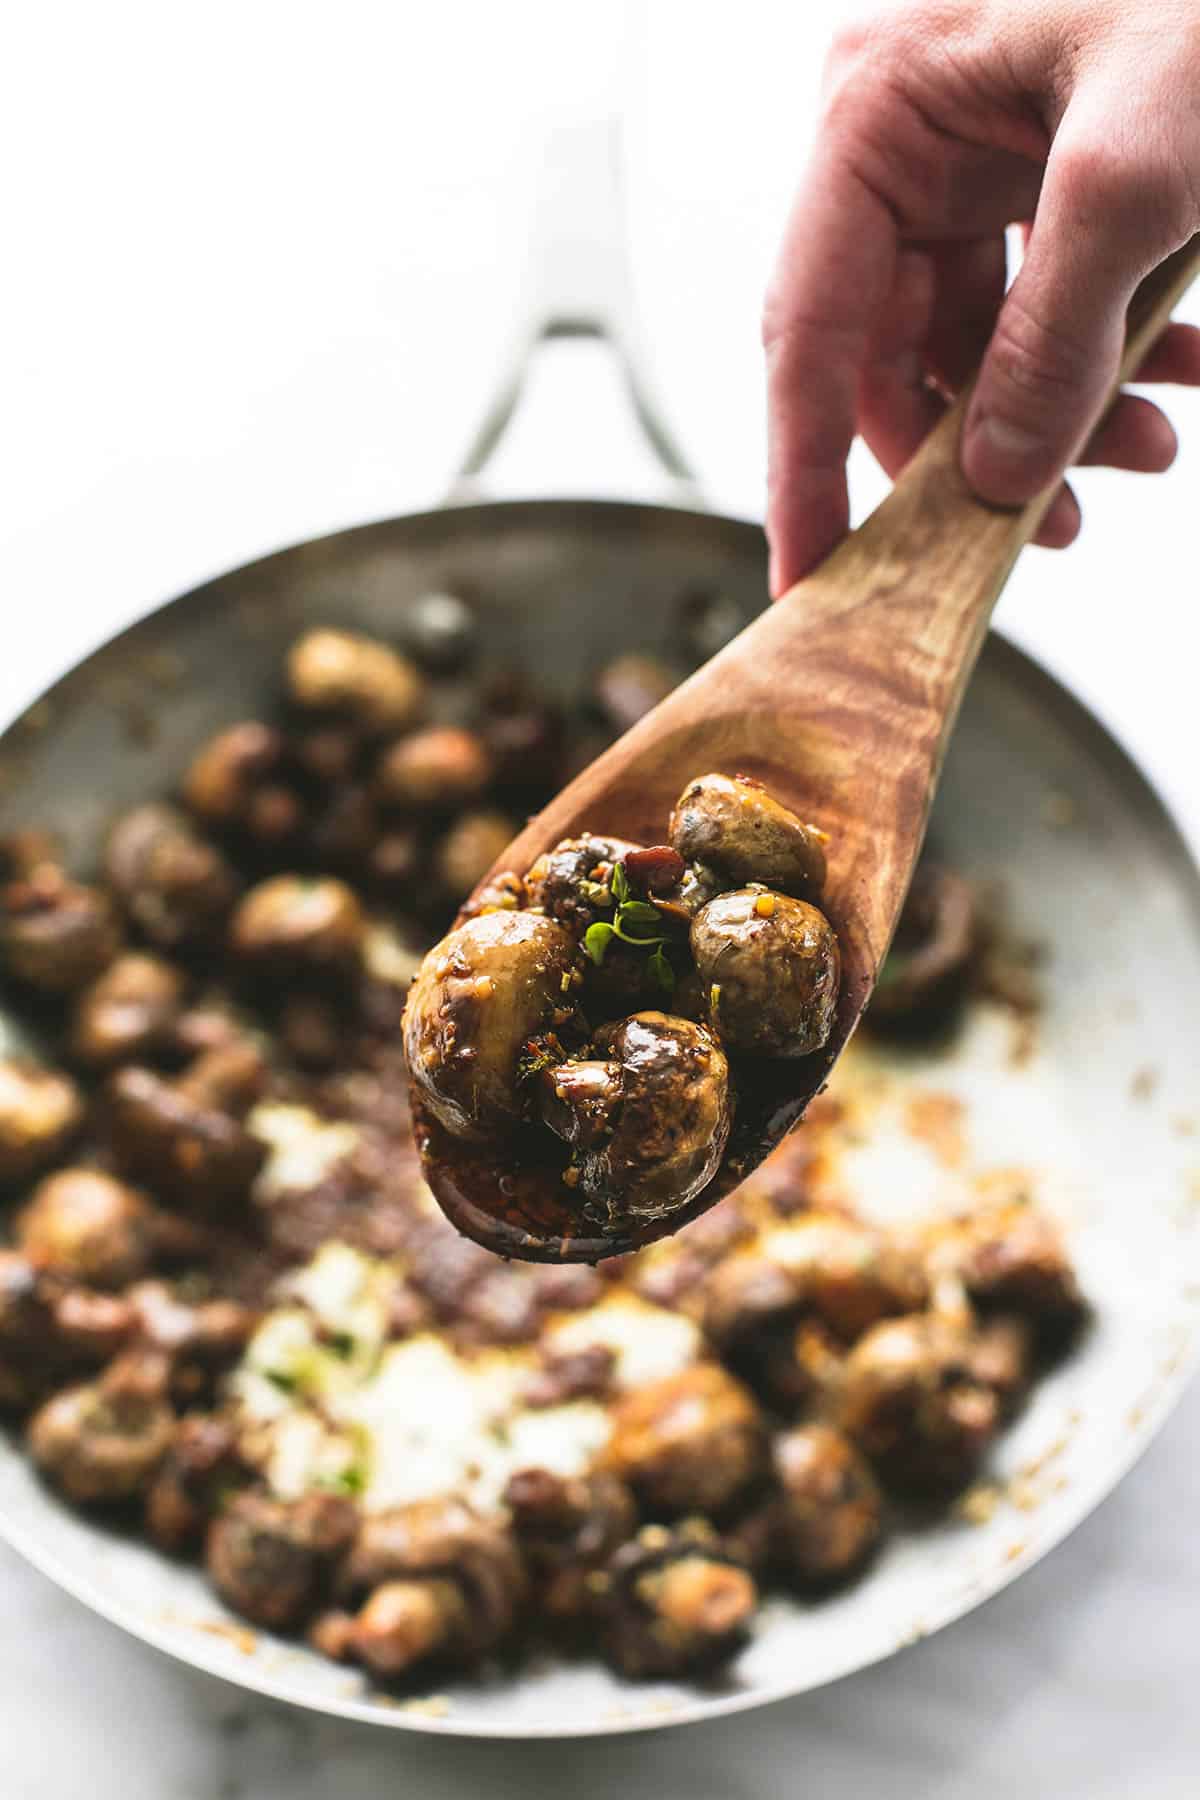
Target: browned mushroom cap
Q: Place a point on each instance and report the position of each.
(128, 1011)
(757, 1314)
(442, 1540)
(928, 963)
(21, 852)
(211, 1332)
(772, 968)
(299, 926)
(468, 850)
(649, 1115)
(343, 831)
(40, 1112)
(568, 1528)
(732, 824)
(187, 1149)
(270, 1559)
(691, 1442)
(912, 1402)
(357, 678)
(847, 1272)
(629, 686)
(199, 1472)
(678, 1601)
(481, 994)
(435, 770)
(828, 1515)
(1013, 1259)
(89, 1227)
(226, 774)
(571, 883)
(176, 887)
(102, 1441)
(55, 933)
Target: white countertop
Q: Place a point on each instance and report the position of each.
(260, 266)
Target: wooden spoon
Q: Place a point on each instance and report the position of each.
(841, 699)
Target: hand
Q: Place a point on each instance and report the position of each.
(944, 121)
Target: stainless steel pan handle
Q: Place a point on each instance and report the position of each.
(579, 288)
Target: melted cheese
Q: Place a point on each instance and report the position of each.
(303, 1148)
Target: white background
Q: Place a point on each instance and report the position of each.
(260, 266)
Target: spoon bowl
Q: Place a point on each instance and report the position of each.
(840, 699)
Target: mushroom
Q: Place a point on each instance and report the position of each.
(648, 1115)
(731, 824)
(1012, 1259)
(357, 678)
(128, 1011)
(756, 1312)
(771, 967)
(567, 1528)
(678, 1602)
(271, 1559)
(40, 1112)
(469, 849)
(690, 1442)
(55, 933)
(481, 995)
(454, 1583)
(101, 1441)
(438, 769)
(915, 1406)
(927, 966)
(89, 1227)
(234, 780)
(176, 887)
(572, 882)
(828, 1515)
(185, 1138)
(198, 1473)
(297, 927)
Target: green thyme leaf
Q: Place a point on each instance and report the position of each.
(661, 970)
(342, 1344)
(281, 1379)
(350, 1481)
(640, 912)
(596, 940)
(620, 884)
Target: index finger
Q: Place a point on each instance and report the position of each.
(833, 274)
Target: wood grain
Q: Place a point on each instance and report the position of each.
(841, 698)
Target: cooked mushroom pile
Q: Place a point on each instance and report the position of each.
(230, 1311)
(616, 993)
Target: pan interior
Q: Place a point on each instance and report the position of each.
(1100, 1105)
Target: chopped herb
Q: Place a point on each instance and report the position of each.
(598, 892)
(596, 940)
(620, 884)
(281, 1379)
(538, 1054)
(342, 1343)
(661, 970)
(350, 1481)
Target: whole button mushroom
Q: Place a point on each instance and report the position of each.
(567, 1528)
(175, 886)
(185, 1138)
(828, 1516)
(470, 847)
(571, 883)
(439, 769)
(235, 780)
(915, 1405)
(40, 1112)
(691, 1442)
(298, 927)
(271, 1559)
(772, 968)
(494, 983)
(648, 1114)
(678, 1601)
(55, 934)
(730, 823)
(128, 1011)
(88, 1226)
(102, 1441)
(356, 678)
